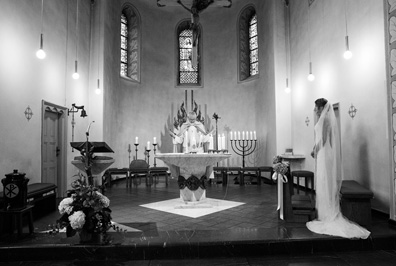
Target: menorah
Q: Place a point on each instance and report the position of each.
(243, 147)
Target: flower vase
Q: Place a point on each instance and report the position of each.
(90, 238)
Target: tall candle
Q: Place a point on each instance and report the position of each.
(148, 145)
(230, 135)
(223, 143)
(239, 135)
(136, 140)
(155, 140)
(254, 134)
(243, 135)
(235, 135)
(251, 135)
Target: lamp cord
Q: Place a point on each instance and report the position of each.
(77, 31)
(42, 11)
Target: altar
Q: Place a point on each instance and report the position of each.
(192, 170)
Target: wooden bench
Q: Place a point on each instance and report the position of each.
(356, 202)
(41, 195)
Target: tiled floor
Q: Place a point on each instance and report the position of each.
(246, 234)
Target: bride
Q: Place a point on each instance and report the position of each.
(330, 220)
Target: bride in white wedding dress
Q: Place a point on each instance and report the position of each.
(330, 220)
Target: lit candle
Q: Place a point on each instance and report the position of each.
(239, 135)
(230, 135)
(155, 140)
(136, 140)
(254, 134)
(251, 135)
(148, 145)
(235, 135)
(243, 135)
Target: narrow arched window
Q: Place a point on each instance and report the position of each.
(248, 44)
(189, 55)
(130, 43)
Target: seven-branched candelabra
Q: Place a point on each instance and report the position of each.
(243, 147)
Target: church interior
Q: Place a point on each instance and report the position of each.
(120, 75)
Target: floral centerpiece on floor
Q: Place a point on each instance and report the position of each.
(85, 211)
(280, 168)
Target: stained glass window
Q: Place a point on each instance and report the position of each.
(248, 44)
(188, 69)
(124, 46)
(129, 44)
(253, 46)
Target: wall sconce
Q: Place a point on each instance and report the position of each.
(75, 109)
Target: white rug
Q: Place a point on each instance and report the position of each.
(192, 209)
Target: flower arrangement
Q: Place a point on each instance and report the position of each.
(86, 210)
(280, 169)
(279, 166)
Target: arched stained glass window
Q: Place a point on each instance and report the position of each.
(253, 46)
(130, 43)
(248, 44)
(188, 55)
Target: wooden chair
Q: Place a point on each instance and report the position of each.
(156, 172)
(137, 169)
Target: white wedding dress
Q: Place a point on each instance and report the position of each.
(330, 220)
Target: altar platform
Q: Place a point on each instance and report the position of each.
(249, 233)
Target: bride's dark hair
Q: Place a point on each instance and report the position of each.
(321, 102)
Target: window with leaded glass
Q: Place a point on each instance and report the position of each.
(253, 46)
(248, 44)
(189, 55)
(130, 43)
(124, 46)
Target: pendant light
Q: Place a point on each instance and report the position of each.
(347, 53)
(75, 74)
(40, 53)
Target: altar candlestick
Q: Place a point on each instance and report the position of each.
(155, 140)
(136, 140)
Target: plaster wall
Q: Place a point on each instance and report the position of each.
(25, 81)
(360, 81)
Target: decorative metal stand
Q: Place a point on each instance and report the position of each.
(148, 156)
(243, 148)
(129, 152)
(155, 163)
(136, 150)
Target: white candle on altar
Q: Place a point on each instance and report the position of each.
(219, 142)
(239, 135)
(251, 135)
(223, 142)
(254, 134)
(235, 135)
(136, 140)
(148, 145)
(243, 135)
(155, 140)
(230, 135)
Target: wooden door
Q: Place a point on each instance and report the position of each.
(50, 148)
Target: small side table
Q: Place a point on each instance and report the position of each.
(16, 217)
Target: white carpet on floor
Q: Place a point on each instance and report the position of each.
(192, 209)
